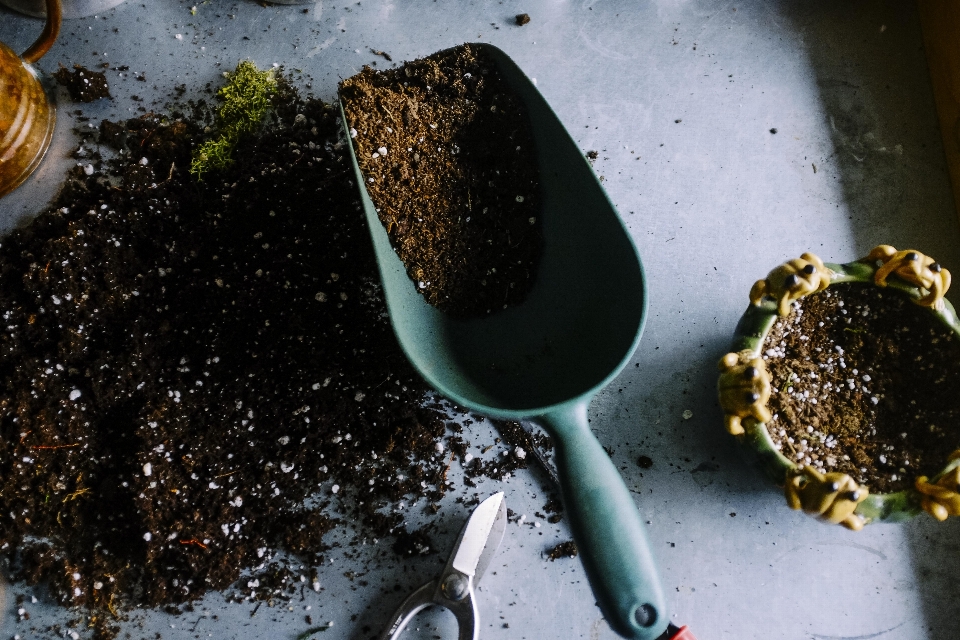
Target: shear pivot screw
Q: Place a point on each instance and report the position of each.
(454, 587)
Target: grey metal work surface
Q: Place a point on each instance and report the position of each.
(681, 100)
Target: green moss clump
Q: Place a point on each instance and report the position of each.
(245, 101)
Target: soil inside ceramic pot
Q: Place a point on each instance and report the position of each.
(866, 383)
(198, 376)
(448, 157)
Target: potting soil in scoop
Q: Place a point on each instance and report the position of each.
(184, 363)
(446, 151)
(867, 383)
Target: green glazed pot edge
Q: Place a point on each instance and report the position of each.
(750, 333)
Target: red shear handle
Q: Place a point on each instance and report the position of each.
(678, 633)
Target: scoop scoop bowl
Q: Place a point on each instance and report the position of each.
(545, 359)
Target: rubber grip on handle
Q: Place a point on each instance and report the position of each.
(607, 528)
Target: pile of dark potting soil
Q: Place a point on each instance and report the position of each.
(866, 383)
(183, 364)
(448, 157)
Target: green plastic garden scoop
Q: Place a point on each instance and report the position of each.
(544, 359)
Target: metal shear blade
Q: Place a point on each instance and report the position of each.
(453, 588)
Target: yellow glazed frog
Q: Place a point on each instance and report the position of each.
(941, 499)
(914, 268)
(744, 389)
(791, 281)
(830, 497)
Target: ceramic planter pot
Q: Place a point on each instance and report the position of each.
(744, 388)
(71, 8)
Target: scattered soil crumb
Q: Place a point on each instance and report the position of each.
(644, 462)
(522, 19)
(524, 446)
(413, 543)
(866, 383)
(448, 159)
(83, 84)
(563, 550)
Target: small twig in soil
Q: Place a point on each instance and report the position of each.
(383, 54)
(112, 609)
(194, 541)
(791, 447)
(446, 469)
(76, 494)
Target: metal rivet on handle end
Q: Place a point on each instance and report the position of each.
(645, 615)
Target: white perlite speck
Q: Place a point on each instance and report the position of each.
(687, 414)
(75, 394)
(148, 469)
(148, 536)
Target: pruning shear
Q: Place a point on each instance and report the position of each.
(453, 588)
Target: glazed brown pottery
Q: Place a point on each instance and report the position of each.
(27, 117)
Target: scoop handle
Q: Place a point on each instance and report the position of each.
(50, 32)
(606, 527)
